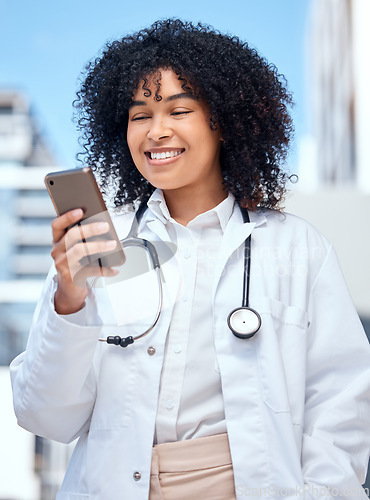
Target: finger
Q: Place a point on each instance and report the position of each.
(80, 277)
(91, 248)
(83, 232)
(83, 254)
(108, 271)
(61, 223)
(69, 262)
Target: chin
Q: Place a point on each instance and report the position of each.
(164, 185)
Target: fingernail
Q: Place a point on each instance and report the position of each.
(77, 212)
(111, 244)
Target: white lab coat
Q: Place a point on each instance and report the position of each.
(296, 395)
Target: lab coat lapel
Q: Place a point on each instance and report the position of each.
(122, 223)
(158, 228)
(235, 234)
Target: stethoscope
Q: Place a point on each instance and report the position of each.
(244, 322)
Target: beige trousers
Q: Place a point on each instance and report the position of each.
(194, 469)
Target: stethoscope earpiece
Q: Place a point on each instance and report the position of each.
(244, 322)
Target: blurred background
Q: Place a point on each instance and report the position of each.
(322, 48)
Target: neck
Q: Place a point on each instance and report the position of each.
(184, 206)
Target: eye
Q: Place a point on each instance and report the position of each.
(177, 113)
(137, 118)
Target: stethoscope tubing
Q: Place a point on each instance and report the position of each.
(244, 322)
(131, 241)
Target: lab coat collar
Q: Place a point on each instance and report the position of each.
(123, 220)
(258, 217)
(156, 217)
(158, 209)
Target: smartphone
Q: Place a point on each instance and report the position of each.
(77, 188)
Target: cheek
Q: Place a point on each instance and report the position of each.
(129, 139)
(133, 147)
(133, 136)
(134, 151)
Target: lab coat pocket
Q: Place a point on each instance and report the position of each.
(281, 350)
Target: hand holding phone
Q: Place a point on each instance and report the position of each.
(80, 237)
(77, 188)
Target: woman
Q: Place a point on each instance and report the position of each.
(194, 124)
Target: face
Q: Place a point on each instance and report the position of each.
(171, 142)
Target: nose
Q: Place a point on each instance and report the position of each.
(159, 129)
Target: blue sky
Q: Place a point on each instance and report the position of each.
(45, 45)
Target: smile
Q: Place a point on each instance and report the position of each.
(162, 155)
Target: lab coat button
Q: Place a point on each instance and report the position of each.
(186, 253)
(177, 349)
(169, 404)
(137, 476)
(151, 351)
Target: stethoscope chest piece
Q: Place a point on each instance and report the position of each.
(244, 322)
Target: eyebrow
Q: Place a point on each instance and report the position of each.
(173, 97)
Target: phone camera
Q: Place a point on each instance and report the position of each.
(51, 183)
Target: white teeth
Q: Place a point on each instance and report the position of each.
(162, 156)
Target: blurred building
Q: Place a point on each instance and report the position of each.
(25, 216)
(334, 188)
(339, 100)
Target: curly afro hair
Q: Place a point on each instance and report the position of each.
(246, 96)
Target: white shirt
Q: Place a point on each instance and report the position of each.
(190, 398)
